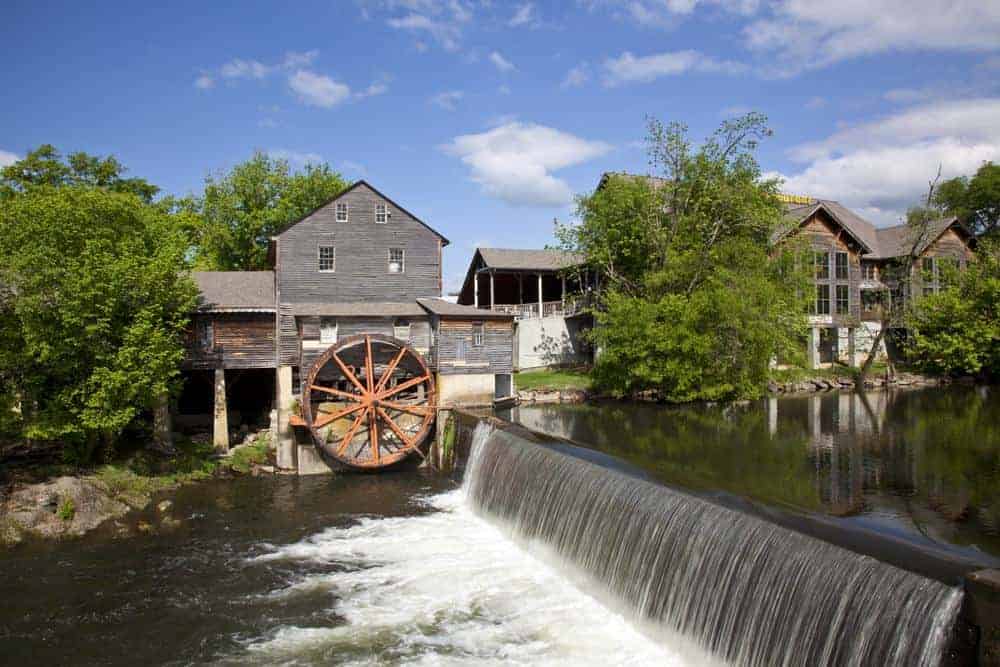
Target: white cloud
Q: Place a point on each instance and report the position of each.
(576, 77)
(628, 68)
(524, 15)
(667, 13)
(448, 100)
(443, 22)
(883, 167)
(204, 82)
(295, 158)
(514, 162)
(317, 89)
(377, 88)
(816, 102)
(8, 158)
(813, 33)
(501, 63)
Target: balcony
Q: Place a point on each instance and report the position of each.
(527, 311)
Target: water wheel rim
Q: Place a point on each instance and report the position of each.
(369, 404)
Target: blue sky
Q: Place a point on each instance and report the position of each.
(484, 118)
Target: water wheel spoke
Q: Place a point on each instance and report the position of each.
(389, 370)
(369, 363)
(373, 434)
(336, 392)
(334, 416)
(350, 433)
(406, 440)
(404, 386)
(419, 410)
(348, 373)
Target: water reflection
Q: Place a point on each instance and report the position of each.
(920, 464)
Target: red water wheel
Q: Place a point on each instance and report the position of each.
(369, 401)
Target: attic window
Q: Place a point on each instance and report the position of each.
(327, 258)
(342, 211)
(381, 213)
(397, 260)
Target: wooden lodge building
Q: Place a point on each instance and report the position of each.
(359, 266)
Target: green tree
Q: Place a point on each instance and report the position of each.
(958, 329)
(45, 166)
(243, 208)
(93, 311)
(698, 300)
(975, 201)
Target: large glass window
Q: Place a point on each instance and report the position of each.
(822, 299)
(843, 300)
(822, 265)
(868, 271)
(841, 259)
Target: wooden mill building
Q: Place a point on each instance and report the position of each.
(359, 265)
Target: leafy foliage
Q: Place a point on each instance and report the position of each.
(698, 299)
(45, 167)
(958, 329)
(93, 308)
(976, 200)
(242, 209)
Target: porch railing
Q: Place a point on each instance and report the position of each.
(527, 311)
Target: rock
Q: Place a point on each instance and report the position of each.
(164, 506)
(845, 382)
(772, 387)
(34, 509)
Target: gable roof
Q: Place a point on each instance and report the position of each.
(513, 259)
(247, 291)
(447, 309)
(895, 241)
(354, 186)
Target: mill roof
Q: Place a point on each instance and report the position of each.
(235, 290)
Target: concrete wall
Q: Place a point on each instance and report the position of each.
(470, 389)
(549, 341)
(864, 338)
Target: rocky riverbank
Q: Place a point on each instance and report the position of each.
(832, 383)
(56, 503)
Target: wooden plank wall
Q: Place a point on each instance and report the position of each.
(420, 334)
(241, 340)
(362, 248)
(456, 354)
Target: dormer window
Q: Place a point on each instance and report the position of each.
(381, 213)
(397, 260)
(327, 259)
(342, 211)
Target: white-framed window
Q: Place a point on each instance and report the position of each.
(401, 329)
(478, 334)
(327, 258)
(397, 260)
(328, 330)
(342, 211)
(381, 213)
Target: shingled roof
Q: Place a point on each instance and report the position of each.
(512, 259)
(447, 309)
(235, 290)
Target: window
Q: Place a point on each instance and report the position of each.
(327, 258)
(205, 334)
(843, 300)
(841, 259)
(381, 213)
(328, 330)
(822, 299)
(927, 268)
(869, 301)
(342, 211)
(397, 260)
(822, 265)
(478, 334)
(401, 329)
(868, 271)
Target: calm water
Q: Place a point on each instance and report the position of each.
(392, 569)
(923, 465)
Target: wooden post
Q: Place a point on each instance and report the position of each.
(221, 427)
(539, 295)
(286, 454)
(520, 289)
(492, 296)
(475, 283)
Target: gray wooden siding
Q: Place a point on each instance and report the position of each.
(244, 340)
(362, 255)
(420, 334)
(456, 354)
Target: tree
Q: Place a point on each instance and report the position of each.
(93, 311)
(697, 301)
(45, 167)
(957, 330)
(242, 209)
(975, 201)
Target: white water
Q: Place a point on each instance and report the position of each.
(447, 588)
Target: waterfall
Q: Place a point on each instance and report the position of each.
(750, 592)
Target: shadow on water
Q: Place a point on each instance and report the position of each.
(921, 465)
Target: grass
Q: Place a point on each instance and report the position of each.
(243, 459)
(66, 510)
(553, 379)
